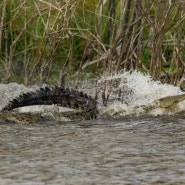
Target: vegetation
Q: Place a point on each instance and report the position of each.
(40, 39)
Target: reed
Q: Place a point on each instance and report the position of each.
(41, 39)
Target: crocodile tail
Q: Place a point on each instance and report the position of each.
(55, 95)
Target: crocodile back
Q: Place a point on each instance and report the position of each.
(61, 96)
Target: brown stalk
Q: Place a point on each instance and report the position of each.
(2, 21)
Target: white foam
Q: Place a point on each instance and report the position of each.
(139, 91)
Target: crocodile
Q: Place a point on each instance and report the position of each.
(85, 106)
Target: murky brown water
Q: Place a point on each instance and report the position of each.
(104, 151)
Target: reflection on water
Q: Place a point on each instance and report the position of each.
(147, 150)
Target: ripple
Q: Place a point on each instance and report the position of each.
(145, 150)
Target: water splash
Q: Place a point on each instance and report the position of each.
(133, 93)
(138, 93)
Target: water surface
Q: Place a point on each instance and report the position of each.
(142, 150)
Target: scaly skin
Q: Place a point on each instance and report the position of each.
(84, 105)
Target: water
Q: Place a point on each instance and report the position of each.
(123, 146)
(140, 150)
